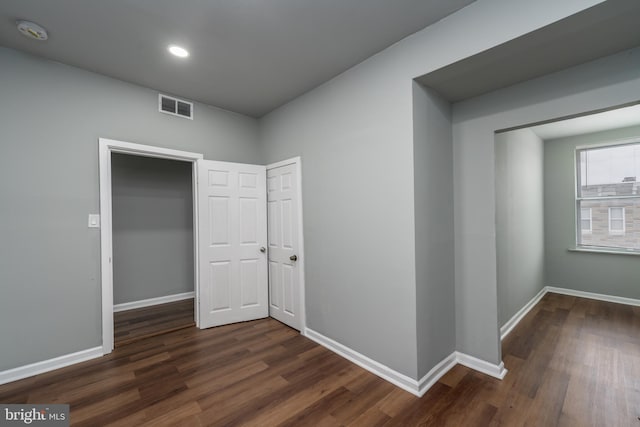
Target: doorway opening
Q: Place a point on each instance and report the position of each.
(152, 237)
(141, 297)
(229, 239)
(566, 187)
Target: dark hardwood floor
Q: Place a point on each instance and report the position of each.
(571, 361)
(142, 323)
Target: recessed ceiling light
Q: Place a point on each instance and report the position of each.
(32, 30)
(178, 51)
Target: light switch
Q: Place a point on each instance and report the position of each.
(94, 221)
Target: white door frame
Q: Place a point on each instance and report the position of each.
(106, 147)
(301, 258)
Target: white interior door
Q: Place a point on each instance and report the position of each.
(232, 221)
(284, 244)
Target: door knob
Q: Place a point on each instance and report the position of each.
(293, 257)
(263, 249)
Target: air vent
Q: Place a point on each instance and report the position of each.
(175, 106)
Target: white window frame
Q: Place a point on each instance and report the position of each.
(617, 232)
(579, 199)
(590, 218)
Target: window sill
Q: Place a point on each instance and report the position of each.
(605, 251)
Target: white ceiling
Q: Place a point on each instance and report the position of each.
(248, 56)
(613, 119)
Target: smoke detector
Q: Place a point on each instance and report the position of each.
(32, 30)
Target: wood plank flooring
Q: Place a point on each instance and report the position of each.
(571, 361)
(142, 323)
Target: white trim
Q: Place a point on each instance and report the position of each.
(152, 301)
(106, 271)
(196, 243)
(32, 369)
(609, 143)
(426, 382)
(600, 250)
(511, 323)
(418, 388)
(496, 371)
(148, 150)
(301, 259)
(291, 161)
(394, 377)
(591, 295)
(508, 327)
(105, 148)
(616, 197)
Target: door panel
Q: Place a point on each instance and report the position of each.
(284, 282)
(220, 285)
(249, 283)
(274, 291)
(232, 221)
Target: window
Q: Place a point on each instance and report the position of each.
(616, 220)
(585, 220)
(608, 197)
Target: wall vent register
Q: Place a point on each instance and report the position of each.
(175, 106)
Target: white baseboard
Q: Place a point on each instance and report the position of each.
(508, 327)
(511, 323)
(418, 388)
(496, 371)
(152, 301)
(591, 295)
(426, 382)
(49, 365)
(384, 372)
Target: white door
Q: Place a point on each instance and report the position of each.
(232, 235)
(284, 244)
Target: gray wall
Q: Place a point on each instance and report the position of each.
(519, 220)
(433, 186)
(355, 136)
(152, 205)
(610, 81)
(357, 185)
(51, 117)
(600, 273)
